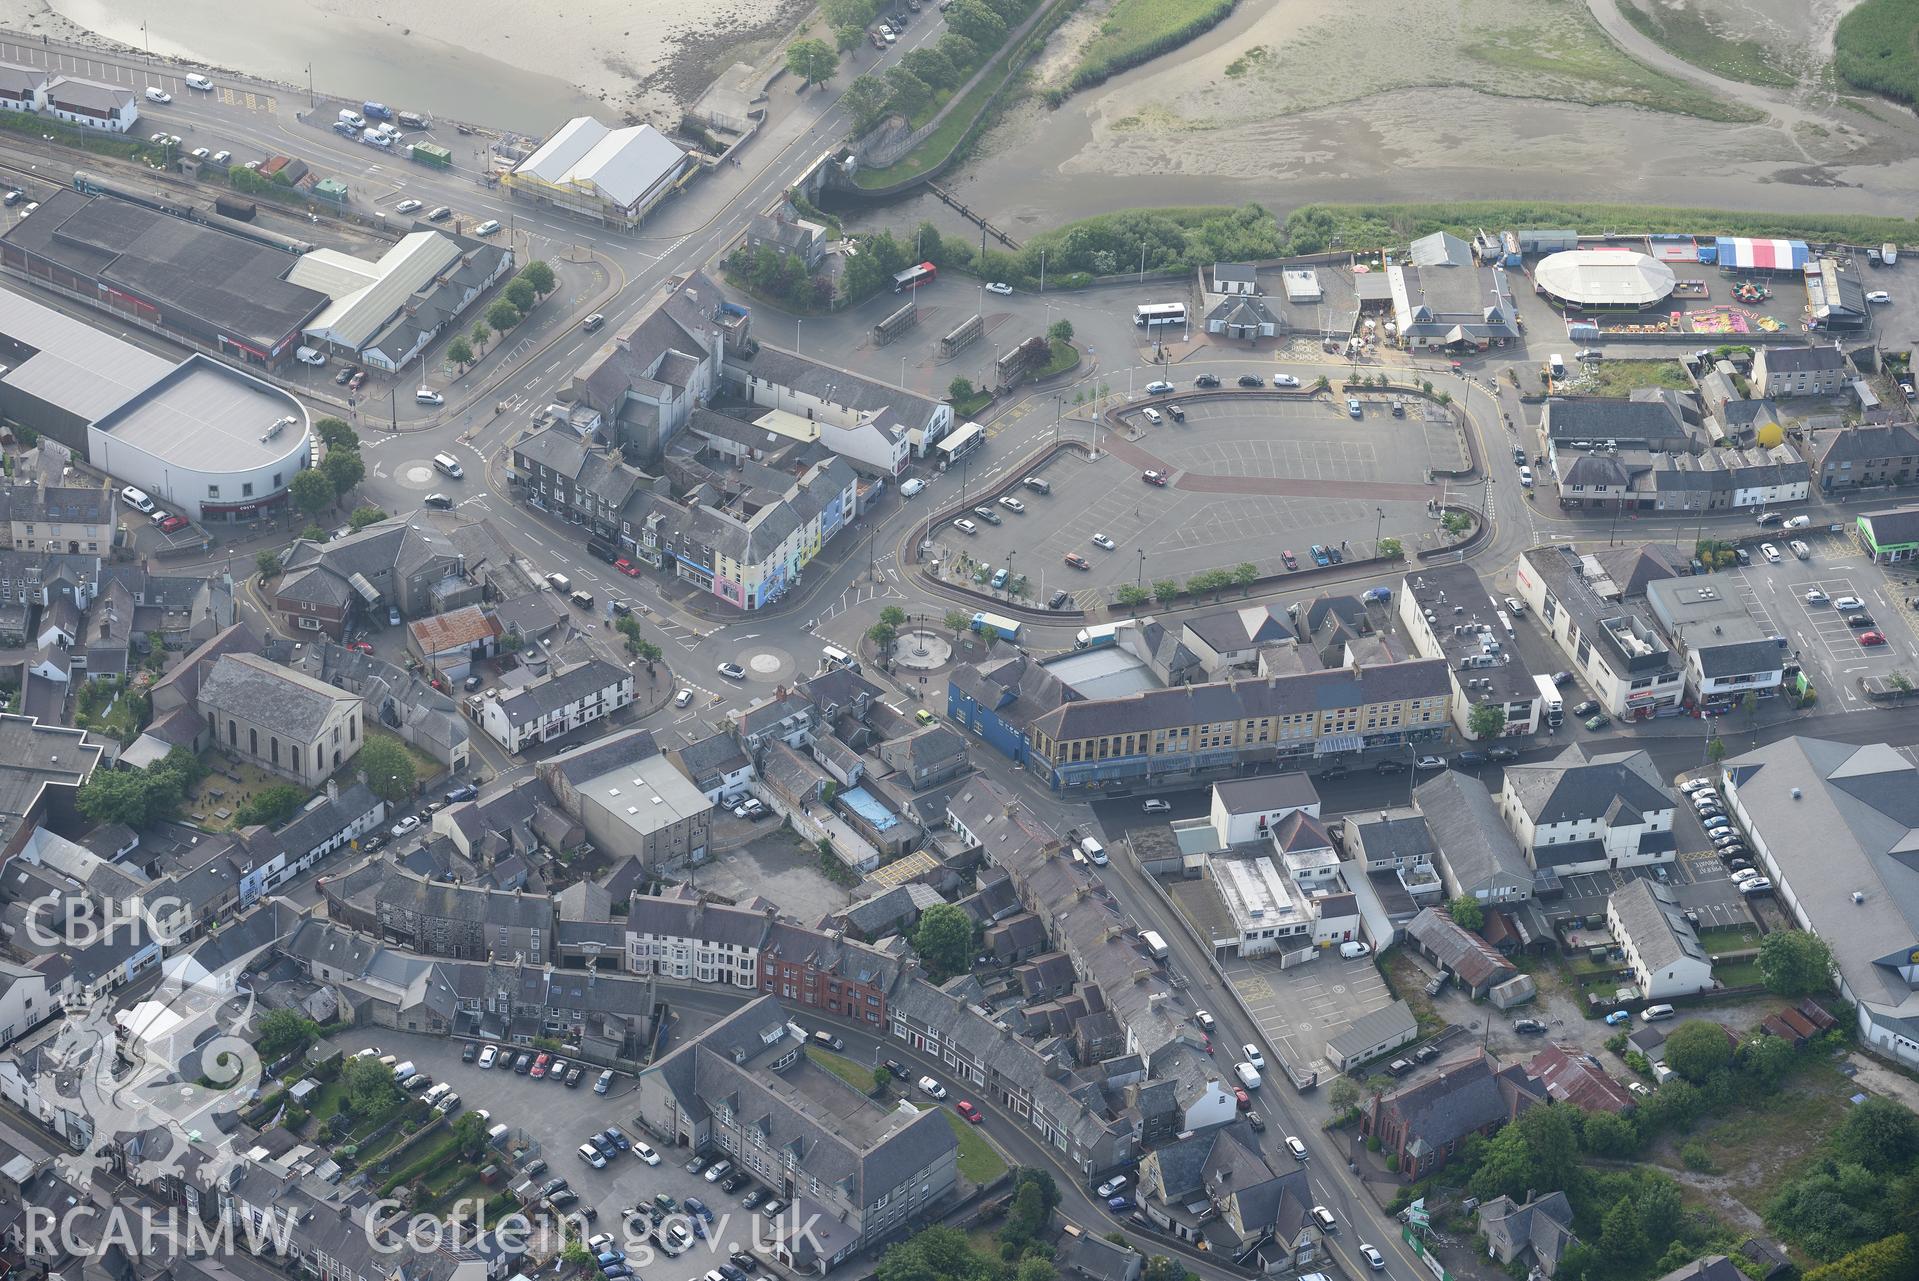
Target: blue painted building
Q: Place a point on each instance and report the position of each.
(999, 698)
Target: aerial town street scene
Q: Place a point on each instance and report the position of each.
(580, 699)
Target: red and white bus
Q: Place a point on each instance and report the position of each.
(913, 277)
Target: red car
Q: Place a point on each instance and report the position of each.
(627, 567)
(539, 1065)
(172, 523)
(358, 379)
(363, 647)
(1244, 1099)
(968, 1111)
(1154, 478)
(1872, 638)
(1291, 563)
(1077, 561)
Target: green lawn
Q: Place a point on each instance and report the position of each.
(1720, 939)
(1768, 1136)
(1138, 30)
(1623, 377)
(979, 1162)
(854, 1074)
(1737, 973)
(1684, 32)
(1874, 48)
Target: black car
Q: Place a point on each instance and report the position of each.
(552, 1186)
(1425, 1054)
(733, 1182)
(621, 607)
(1206, 380)
(1502, 753)
(521, 1064)
(346, 373)
(753, 1198)
(1467, 760)
(1586, 708)
(572, 1077)
(1390, 767)
(740, 1258)
(1529, 1027)
(1251, 380)
(1335, 555)
(470, 1053)
(1562, 679)
(1333, 771)
(1859, 620)
(440, 501)
(1058, 599)
(897, 1068)
(730, 1272)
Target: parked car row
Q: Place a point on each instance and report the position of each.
(539, 1065)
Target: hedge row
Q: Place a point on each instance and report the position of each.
(1204, 15)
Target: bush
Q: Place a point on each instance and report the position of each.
(1137, 31)
(1696, 1157)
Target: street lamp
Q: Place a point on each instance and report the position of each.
(1009, 574)
(797, 322)
(1139, 580)
(1378, 528)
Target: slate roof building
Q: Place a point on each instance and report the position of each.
(1780, 372)
(1616, 646)
(1728, 655)
(1577, 814)
(1423, 1123)
(1479, 856)
(278, 719)
(1534, 1235)
(1217, 1188)
(747, 1087)
(556, 704)
(1866, 456)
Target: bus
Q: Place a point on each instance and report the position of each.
(965, 440)
(1157, 315)
(913, 277)
(1097, 637)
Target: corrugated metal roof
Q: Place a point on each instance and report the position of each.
(78, 368)
(620, 164)
(402, 271)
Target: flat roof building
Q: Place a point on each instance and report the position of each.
(1616, 646)
(646, 810)
(1449, 614)
(208, 439)
(1727, 654)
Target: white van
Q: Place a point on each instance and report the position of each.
(308, 356)
(1248, 1075)
(832, 656)
(559, 582)
(200, 82)
(401, 1071)
(1093, 850)
(450, 465)
(1352, 949)
(497, 1135)
(137, 500)
(353, 118)
(435, 1094)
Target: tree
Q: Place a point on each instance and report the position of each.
(368, 1084)
(934, 67)
(1893, 1258)
(812, 61)
(959, 389)
(267, 562)
(648, 653)
(469, 1135)
(335, 434)
(1621, 1243)
(1390, 549)
(313, 534)
(865, 101)
(312, 491)
(364, 516)
(882, 1080)
(284, 1032)
(1552, 1136)
(906, 93)
(1765, 1058)
(502, 315)
(1245, 574)
(1025, 1217)
(944, 941)
(1660, 1213)
(1507, 1169)
(1880, 1134)
(1697, 1049)
(1715, 749)
(459, 353)
(978, 23)
(1468, 912)
(1344, 1095)
(389, 768)
(1486, 720)
(540, 276)
(1795, 963)
(893, 616)
(480, 334)
(343, 469)
(882, 635)
(1161, 1268)
(1060, 331)
(1608, 1134)
(1165, 590)
(1035, 1268)
(573, 1254)
(272, 806)
(520, 294)
(956, 622)
(1132, 595)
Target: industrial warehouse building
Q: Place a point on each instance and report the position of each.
(245, 300)
(200, 437)
(612, 176)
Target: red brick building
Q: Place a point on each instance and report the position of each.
(820, 970)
